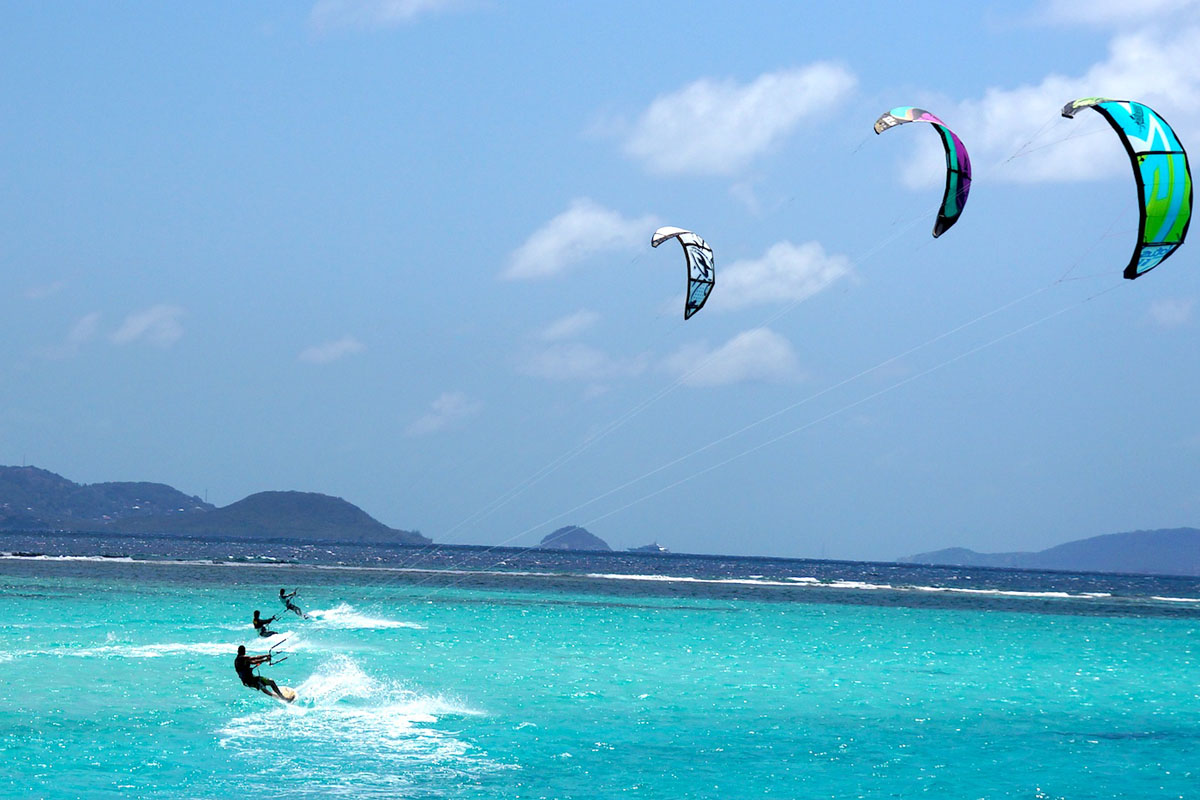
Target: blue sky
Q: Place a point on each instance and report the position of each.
(398, 251)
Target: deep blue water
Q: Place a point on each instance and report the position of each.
(625, 573)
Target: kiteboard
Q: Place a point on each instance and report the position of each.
(289, 694)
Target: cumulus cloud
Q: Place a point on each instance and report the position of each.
(785, 273)
(579, 362)
(1016, 134)
(755, 355)
(718, 127)
(449, 410)
(569, 326)
(332, 351)
(83, 331)
(1171, 313)
(159, 326)
(585, 229)
(328, 14)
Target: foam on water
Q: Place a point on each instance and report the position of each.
(684, 579)
(345, 616)
(149, 650)
(862, 586)
(44, 557)
(341, 694)
(392, 734)
(160, 650)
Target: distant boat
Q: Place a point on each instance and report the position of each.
(653, 547)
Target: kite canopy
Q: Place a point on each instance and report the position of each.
(701, 271)
(958, 163)
(1164, 179)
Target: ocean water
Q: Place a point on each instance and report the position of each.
(470, 673)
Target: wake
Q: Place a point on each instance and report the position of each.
(345, 616)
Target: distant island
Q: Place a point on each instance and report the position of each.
(33, 499)
(573, 537)
(1174, 551)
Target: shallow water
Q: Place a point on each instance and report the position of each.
(117, 681)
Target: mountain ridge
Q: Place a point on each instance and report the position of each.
(1164, 551)
(32, 498)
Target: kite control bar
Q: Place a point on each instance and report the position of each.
(271, 659)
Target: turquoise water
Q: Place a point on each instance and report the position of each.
(118, 682)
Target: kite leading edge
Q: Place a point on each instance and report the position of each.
(958, 162)
(702, 273)
(1164, 179)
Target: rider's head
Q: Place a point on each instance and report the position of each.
(241, 649)
(256, 613)
(281, 591)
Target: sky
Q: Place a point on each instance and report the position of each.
(398, 251)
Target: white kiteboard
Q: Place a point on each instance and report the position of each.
(289, 694)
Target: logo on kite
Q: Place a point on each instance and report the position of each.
(1164, 179)
(702, 273)
(958, 163)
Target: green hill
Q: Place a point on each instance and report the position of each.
(35, 499)
(573, 537)
(292, 515)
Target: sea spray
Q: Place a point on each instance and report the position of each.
(345, 616)
(345, 715)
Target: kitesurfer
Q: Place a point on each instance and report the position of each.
(261, 624)
(245, 665)
(286, 599)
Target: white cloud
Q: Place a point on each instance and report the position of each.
(785, 273)
(569, 326)
(1017, 134)
(450, 409)
(583, 230)
(45, 290)
(331, 351)
(1108, 12)
(327, 14)
(754, 355)
(83, 331)
(578, 362)
(744, 193)
(1171, 313)
(718, 127)
(158, 325)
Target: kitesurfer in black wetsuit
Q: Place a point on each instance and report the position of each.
(245, 665)
(286, 599)
(260, 625)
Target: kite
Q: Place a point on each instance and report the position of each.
(701, 271)
(1160, 167)
(958, 163)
